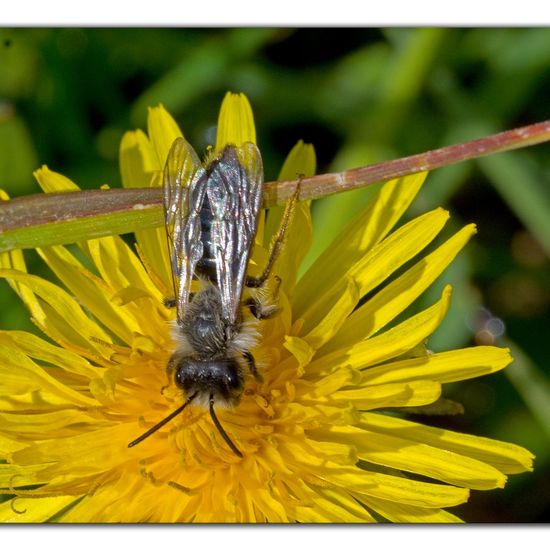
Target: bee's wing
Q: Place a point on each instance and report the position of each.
(235, 188)
(184, 192)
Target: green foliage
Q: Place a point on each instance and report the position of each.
(360, 96)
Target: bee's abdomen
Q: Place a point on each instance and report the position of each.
(206, 266)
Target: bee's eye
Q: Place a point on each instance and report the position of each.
(234, 381)
(185, 374)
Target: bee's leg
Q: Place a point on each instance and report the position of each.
(252, 365)
(171, 366)
(170, 369)
(169, 303)
(277, 242)
(264, 308)
(259, 310)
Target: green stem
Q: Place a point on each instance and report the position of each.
(61, 218)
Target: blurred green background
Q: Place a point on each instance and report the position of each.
(360, 96)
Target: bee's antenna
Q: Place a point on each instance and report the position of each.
(221, 430)
(162, 422)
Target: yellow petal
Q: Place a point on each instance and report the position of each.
(8, 446)
(153, 251)
(376, 265)
(258, 493)
(403, 394)
(120, 501)
(402, 513)
(343, 297)
(398, 248)
(38, 426)
(138, 160)
(506, 457)
(366, 229)
(32, 510)
(91, 292)
(445, 367)
(434, 463)
(334, 506)
(398, 452)
(12, 475)
(123, 272)
(119, 266)
(399, 294)
(82, 454)
(391, 343)
(312, 514)
(20, 375)
(63, 320)
(332, 383)
(40, 349)
(235, 122)
(163, 131)
(52, 182)
(140, 167)
(299, 162)
(397, 489)
(300, 349)
(352, 478)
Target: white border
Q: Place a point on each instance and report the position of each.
(472, 13)
(271, 537)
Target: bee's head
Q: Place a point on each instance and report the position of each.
(221, 378)
(216, 380)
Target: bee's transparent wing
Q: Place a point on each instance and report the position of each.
(235, 188)
(184, 192)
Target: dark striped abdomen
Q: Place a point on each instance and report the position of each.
(206, 266)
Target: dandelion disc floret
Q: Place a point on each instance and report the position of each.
(316, 440)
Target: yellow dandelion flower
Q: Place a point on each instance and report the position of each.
(317, 440)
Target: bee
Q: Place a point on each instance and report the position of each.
(211, 216)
